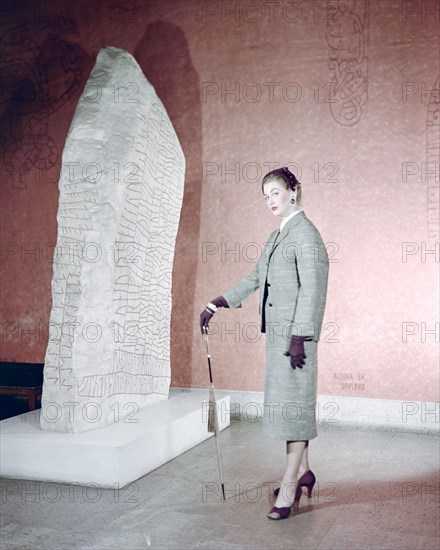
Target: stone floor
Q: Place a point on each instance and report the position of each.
(375, 490)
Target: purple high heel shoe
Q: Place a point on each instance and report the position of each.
(280, 513)
(308, 480)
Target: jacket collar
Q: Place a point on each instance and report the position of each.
(295, 220)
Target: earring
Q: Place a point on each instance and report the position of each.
(292, 200)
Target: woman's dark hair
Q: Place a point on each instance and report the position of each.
(283, 173)
(284, 176)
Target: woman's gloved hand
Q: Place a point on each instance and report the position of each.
(209, 311)
(296, 351)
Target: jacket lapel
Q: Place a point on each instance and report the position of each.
(276, 237)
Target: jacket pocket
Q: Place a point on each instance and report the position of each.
(286, 312)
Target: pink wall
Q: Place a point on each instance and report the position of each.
(362, 160)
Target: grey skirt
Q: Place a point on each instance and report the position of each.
(289, 394)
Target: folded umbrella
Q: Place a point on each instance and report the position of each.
(213, 414)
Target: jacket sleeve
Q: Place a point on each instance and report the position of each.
(244, 288)
(312, 269)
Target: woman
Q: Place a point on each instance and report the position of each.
(291, 276)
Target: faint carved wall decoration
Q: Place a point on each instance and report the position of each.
(433, 163)
(347, 38)
(39, 72)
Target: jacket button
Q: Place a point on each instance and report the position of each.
(270, 305)
(268, 284)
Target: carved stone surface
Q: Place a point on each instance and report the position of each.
(121, 189)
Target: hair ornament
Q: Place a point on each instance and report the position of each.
(286, 174)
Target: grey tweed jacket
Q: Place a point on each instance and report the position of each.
(292, 276)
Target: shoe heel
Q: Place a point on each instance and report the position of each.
(298, 494)
(310, 489)
(308, 480)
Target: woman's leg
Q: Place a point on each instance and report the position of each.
(304, 466)
(295, 453)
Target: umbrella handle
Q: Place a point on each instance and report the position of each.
(208, 353)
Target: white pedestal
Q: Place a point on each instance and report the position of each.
(112, 456)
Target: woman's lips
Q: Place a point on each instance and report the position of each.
(273, 208)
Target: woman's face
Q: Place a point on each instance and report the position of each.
(277, 198)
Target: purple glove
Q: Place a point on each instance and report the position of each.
(209, 311)
(296, 351)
